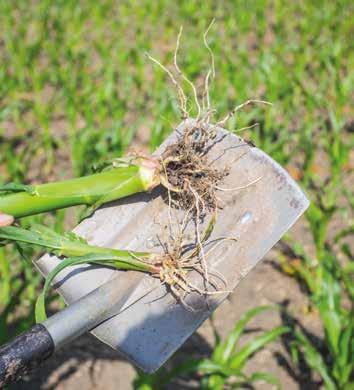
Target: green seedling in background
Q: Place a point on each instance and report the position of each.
(225, 367)
(74, 93)
(328, 285)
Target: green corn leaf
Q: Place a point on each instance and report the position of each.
(208, 367)
(305, 273)
(216, 382)
(265, 377)
(224, 350)
(332, 324)
(343, 363)
(329, 306)
(347, 273)
(14, 233)
(45, 232)
(93, 258)
(145, 386)
(314, 359)
(50, 234)
(187, 367)
(68, 244)
(14, 187)
(145, 381)
(238, 360)
(40, 312)
(345, 232)
(117, 162)
(294, 352)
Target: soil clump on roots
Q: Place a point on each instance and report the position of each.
(187, 173)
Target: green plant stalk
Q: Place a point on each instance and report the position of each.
(73, 246)
(93, 190)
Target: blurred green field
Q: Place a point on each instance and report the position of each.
(76, 89)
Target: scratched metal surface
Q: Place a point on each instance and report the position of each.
(150, 329)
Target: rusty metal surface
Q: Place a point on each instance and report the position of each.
(150, 329)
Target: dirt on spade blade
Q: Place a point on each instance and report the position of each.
(190, 177)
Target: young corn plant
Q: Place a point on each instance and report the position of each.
(225, 367)
(325, 192)
(329, 283)
(336, 364)
(171, 267)
(76, 251)
(331, 292)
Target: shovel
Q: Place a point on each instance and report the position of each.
(133, 312)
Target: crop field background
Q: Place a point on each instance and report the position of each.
(77, 89)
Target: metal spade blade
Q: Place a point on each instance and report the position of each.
(152, 325)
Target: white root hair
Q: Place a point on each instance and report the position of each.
(183, 76)
(239, 107)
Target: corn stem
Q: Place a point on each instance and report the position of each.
(93, 190)
(77, 251)
(71, 245)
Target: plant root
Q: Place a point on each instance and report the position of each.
(192, 181)
(188, 174)
(175, 265)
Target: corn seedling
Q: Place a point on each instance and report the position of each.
(224, 369)
(335, 365)
(171, 267)
(329, 284)
(76, 251)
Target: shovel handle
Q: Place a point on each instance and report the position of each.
(24, 353)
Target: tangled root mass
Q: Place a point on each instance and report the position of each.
(190, 177)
